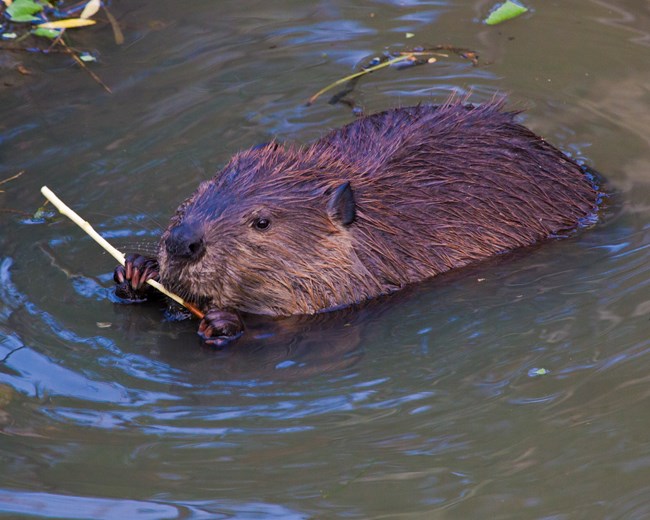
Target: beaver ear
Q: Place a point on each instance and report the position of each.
(341, 206)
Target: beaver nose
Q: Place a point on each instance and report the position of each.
(185, 241)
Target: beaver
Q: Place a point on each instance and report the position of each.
(388, 200)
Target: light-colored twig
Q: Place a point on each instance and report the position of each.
(115, 253)
(11, 178)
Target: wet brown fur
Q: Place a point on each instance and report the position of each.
(435, 188)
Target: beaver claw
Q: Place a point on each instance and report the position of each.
(131, 278)
(220, 327)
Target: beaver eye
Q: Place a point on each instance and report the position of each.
(261, 224)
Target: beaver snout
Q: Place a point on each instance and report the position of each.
(185, 242)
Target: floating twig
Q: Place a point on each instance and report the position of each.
(11, 178)
(33, 50)
(463, 52)
(83, 66)
(428, 54)
(117, 32)
(358, 74)
(406, 59)
(115, 253)
(16, 212)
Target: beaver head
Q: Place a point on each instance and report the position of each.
(265, 236)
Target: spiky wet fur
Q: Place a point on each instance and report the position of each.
(436, 187)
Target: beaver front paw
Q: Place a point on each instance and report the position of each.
(131, 278)
(220, 327)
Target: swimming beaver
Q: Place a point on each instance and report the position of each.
(383, 202)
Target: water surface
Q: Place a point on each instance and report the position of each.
(429, 404)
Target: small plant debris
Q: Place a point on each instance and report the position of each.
(42, 26)
(401, 59)
(505, 11)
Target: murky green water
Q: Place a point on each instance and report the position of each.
(425, 405)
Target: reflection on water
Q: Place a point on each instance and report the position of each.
(514, 389)
(61, 506)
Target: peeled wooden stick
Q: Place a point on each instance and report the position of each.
(115, 253)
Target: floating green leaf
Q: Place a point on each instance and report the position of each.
(44, 214)
(46, 33)
(24, 10)
(505, 11)
(87, 57)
